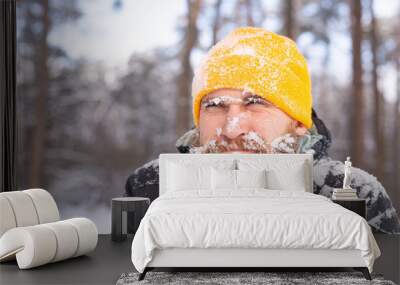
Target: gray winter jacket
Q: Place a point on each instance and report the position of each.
(328, 174)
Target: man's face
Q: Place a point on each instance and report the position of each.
(242, 122)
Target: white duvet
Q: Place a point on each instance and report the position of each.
(252, 218)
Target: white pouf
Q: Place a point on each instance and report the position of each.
(40, 244)
(30, 230)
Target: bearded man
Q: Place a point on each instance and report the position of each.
(252, 94)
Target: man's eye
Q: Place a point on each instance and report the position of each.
(255, 100)
(252, 102)
(212, 104)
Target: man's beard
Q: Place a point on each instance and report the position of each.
(251, 142)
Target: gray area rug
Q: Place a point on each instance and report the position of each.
(225, 278)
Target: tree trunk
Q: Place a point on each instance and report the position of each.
(356, 107)
(40, 111)
(288, 29)
(243, 13)
(378, 100)
(185, 78)
(249, 13)
(217, 21)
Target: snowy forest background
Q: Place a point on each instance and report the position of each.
(104, 86)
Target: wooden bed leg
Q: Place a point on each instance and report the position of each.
(364, 271)
(143, 274)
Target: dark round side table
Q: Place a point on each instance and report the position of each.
(126, 214)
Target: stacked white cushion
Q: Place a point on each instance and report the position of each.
(32, 246)
(7, 218)
(87, 234)
(41, 244)
(23, 208)
(31, 232)
(45, 206)
(66, 236)
(26, 208)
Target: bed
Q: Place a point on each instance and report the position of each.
(244, 211)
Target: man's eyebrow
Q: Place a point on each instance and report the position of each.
(206, 100)
(253, 96)
(245, 97)
(212, 96)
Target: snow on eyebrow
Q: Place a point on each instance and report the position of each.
(215, 100)
(222, 99)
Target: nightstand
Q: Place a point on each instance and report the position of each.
(126, 214)
(358, 206)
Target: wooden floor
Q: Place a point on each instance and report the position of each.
(110, 260)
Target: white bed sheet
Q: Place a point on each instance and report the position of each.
(251, 218)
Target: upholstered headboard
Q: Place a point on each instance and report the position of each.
(280, 162)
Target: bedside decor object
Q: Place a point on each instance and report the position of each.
(345, 193)
(31, 232)
(356, 205)
(126, 215)
(347, 174)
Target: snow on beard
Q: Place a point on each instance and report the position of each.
(287, 143)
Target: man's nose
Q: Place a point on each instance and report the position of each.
(236, 123)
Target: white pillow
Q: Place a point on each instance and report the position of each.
(185, 177)
(223, 179)
(251, 178)
(227, 179)
(294, 180)
(282, 174)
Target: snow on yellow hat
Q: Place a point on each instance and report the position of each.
(261, 62)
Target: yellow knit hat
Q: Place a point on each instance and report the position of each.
(260, 62)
